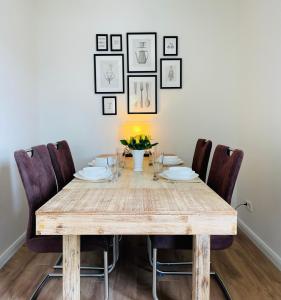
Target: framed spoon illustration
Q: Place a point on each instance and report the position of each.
(142, 94)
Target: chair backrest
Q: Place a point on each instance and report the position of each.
(224, 171)
(201, 157)
(62, 162)
(38, 179)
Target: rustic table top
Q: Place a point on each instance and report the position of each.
(136, 204)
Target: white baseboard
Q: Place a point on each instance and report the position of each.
(265, 249)
(10, 251)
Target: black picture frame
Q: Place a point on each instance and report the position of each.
(111, 44)
(164, 45)
(128, 35)
(97, 41)
(95, 74)
(103, 105)
(128, 93)
(161, 73)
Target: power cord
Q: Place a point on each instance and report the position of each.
(241, 204)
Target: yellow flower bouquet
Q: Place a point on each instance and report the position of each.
(138, 142)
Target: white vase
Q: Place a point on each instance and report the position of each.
(138, 160)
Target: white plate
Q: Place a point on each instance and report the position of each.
(94, 173)
(173, 163)
(78, 176)
(178, 177)
(185, 170)
(170, 160)
(100, 164)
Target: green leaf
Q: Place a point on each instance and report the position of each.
(124, 142)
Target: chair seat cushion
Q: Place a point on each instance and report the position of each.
(218, 242)
(171, 241)
(53, 243)
(221, 242)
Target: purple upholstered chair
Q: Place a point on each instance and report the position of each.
(39, 182)
(62, 162)
(201, 157)
(222, 178)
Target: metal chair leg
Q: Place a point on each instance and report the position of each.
(115, 254)
(156, 270)
(149, 251)
(42, 283)
(106, 286)
(154, 275)
(106, 270)
(58, 262)
(221, 284)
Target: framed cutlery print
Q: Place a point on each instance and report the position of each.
(142, 94)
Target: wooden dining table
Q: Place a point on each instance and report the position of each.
(135, 204)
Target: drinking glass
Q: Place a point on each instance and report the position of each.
(157, 162)
(120, 153)
(111, 164)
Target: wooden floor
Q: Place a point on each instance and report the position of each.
(246, 272)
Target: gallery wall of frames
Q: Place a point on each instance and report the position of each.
(141, 71)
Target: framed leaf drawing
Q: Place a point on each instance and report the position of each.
(109, 73)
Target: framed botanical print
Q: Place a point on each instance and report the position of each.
(109, 73)
(141, 52)
(170, 73)
(116, 42)
(170, 45)
(142, 94)
(109, 105)
(101, 42)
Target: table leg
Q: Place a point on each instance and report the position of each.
(71, 267)
(201, 267)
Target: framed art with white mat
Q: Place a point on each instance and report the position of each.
(142, 94)
(109, 73)
(170, 73)
(109, 105)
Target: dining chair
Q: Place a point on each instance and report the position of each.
(201, 157)
(62, 162)
(64, 168)
(223, 174)
(39, 182)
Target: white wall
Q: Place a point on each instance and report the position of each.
(260, 119)
(17, 112)
(231, 63)
(205, 106)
